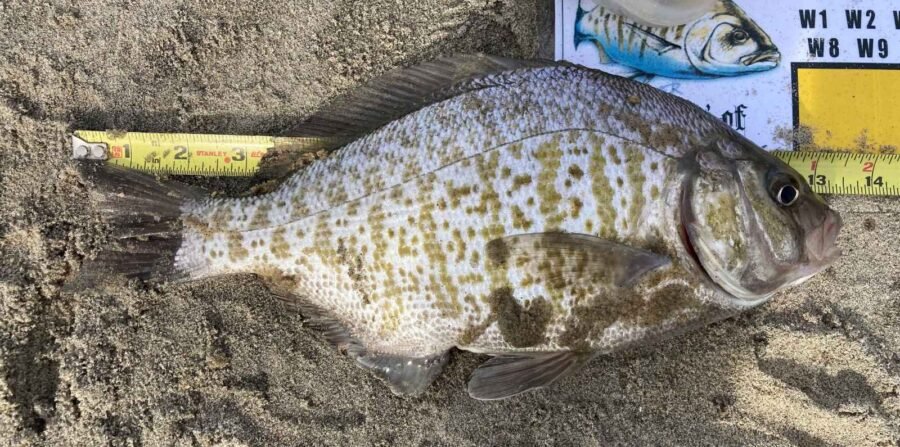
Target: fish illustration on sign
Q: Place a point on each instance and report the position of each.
(718, 42)
(539, 212)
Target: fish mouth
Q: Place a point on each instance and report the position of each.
(768, 57)
(821, 244)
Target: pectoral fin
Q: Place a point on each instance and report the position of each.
(507, 375)
(566, 260)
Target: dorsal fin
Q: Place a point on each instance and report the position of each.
(402, 91)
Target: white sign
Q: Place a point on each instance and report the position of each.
(740, 61)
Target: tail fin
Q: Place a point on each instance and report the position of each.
(145, 221)
(579, 35)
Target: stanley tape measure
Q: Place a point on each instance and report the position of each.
(183, 153)
(240, 155)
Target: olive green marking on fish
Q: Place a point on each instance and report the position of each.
(721, 218)
(601, 189)
(221, 218)
(521, 326)
(636, 178)
(576, 172)
(769, 216)
(654, 192)
(339, 195)
(280, 247)
(519, 220)
(520, 181)
(277, 280)
(236, 250)
(664, 135)
(441, 286)
(591, 317)
(490, 199)
(614, 155)
(457, 193)
(576, 204)
(322, 245)
(459, 245)
(352, 259)
(636, 123)
(472, 332)
(588, 321)
(497, 252)
(261, 218)
(550, 156)
(665, 303)
(199, 226)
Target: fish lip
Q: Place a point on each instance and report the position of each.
(767, 57)
(826, 238)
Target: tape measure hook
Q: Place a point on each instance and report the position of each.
(84, 150)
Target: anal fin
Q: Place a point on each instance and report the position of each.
(405, 375)
(507, 375)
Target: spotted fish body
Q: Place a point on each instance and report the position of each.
(391, 232)
(721, 42)
(535, 214)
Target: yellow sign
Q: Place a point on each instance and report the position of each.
(848, 107)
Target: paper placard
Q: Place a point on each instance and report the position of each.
(804, 74)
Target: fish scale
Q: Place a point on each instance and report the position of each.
(539, 213)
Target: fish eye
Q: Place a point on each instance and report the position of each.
(787, 195)
(739, 36)
(783, 188)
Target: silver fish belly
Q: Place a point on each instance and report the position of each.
(536, 214)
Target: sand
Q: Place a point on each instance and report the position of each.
(224, 363)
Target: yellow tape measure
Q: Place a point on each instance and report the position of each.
(847, 173)
(181, 153)
(240, 155)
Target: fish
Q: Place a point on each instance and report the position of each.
(723, 42)
(538, 212)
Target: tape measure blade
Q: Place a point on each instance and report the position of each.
(242, 155)
(846, 173)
